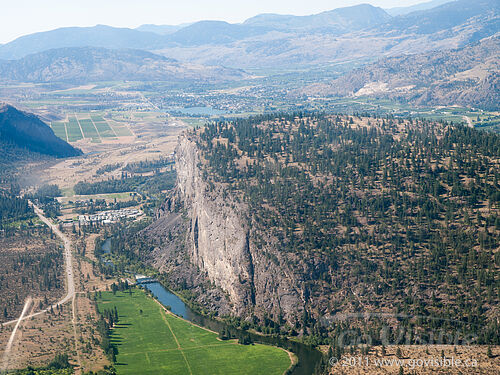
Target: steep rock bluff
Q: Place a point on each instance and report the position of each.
(214, 240)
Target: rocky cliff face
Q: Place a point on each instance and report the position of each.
(218, 241)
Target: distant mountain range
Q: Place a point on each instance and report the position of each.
(446, 17)
(270, 40)
(97, 36)
(216, 51)
(25, 131)
(91, 64)
(337, 21)
(336, 37)
(465, 76)
(161, 29)
(398, 11)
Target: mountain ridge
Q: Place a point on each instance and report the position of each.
(96, 36)
(465, 22)
(342, 19)
(339, 20)
(398, 11)
(87, 64)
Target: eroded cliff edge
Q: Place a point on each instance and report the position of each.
(209, 243)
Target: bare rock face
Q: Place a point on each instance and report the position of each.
(218, 241)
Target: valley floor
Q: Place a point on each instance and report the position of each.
(150, 340)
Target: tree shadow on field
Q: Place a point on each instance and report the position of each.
(122, 325)
(116, 340)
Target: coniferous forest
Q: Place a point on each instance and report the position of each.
(382, 214)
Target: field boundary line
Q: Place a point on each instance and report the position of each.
(163, 315)
(80, 126)
(186, 349)
(93, 123)
(181, 318)
(95, 127)
(66, 131)
(106, 121)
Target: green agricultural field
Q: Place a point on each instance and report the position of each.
(120, 129)
(104, 129)
(89, 129)
(69, 197)
(156, 342)
(74, 132)
(59, 129)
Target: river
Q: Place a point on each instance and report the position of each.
(201, 111)
(308, 356)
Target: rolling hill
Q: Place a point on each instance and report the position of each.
(90, 64)
(23, 131)
(213, 32)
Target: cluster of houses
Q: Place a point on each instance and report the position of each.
(108, 217)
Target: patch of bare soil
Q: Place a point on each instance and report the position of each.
(40, 339)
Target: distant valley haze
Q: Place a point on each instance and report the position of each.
(30, 16)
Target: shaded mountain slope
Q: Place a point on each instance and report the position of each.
(26, 131)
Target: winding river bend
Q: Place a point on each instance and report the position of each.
(308, 356)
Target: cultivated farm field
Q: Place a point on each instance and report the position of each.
(93, 127)
(152, 341)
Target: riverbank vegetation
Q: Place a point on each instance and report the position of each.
(152, 341)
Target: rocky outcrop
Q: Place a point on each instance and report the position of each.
(218, 241)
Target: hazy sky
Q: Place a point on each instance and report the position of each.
(20, 17)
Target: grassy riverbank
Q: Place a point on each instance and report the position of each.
(152, 341)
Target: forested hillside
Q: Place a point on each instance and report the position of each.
(374, 214)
